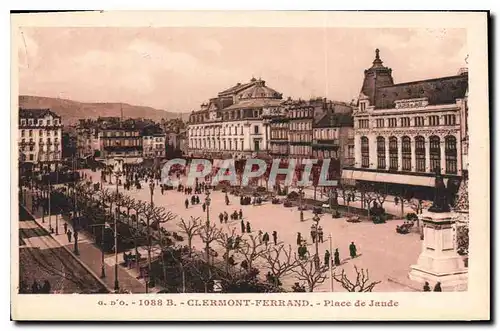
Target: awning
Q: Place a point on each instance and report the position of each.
(382, 177)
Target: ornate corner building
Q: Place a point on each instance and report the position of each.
(405, 133)
(231, 125)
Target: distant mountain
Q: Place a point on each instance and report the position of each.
(71, 111)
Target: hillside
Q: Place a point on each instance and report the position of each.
(71, 111)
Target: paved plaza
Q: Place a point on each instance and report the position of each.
(386, 254)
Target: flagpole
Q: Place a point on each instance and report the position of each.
(330, 263)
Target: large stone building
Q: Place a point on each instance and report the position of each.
(40, 138)
(231, 125)
(406, 132)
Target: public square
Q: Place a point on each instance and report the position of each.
(386, 254)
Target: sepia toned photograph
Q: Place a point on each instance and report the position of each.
(281, 165)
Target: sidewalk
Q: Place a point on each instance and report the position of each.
(90, 255)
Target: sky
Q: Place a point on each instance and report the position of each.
(177, 69)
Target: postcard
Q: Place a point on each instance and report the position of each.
(281, 166)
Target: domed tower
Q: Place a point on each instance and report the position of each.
(376, 76)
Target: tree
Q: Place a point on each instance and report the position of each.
(348, 191)
(280, 261)
(362, 283)
(208, 233)
(252, 248)
(226, 240)
(190, 228)
(307, 272)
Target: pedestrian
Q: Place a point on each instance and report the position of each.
(299, 239)
(240, 214)
(336, 257)
(248, 227)
(226, 217)
(204, 207)
(45, 287)
(437, 287)
(75, 235)
(327, 258)
(186, 203)
(266, 238)
(242, 226)
(259, 235)
(427, 288)
(275, 237)
(221, 217)
(35, 288)
(352, 250)
(320, 234)
(313, 233)
(396, 200)
(227, 199)
(65, 227)
(68, 233)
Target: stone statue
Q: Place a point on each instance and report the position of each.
(440, 204)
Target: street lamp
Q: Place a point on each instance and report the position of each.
(301, 189)
(316, 220)
(207, 204)
(151, 189)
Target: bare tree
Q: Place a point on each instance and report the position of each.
(307, 272)
(190, 228)
(251, 249)
(208, 234)
(362, 283)
(280, 261)
(227, 241)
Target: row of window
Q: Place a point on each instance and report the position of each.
(279, 134)
(41, 141)
(229, 130)
(325, 154)
(300, 150)
(406, 151)
(120, 133)
(122, 142)
(300, 113)
(326, 134)
(393, 122)
(302, 137)
(40, 133)
(31, 148)
(157, 139)
(41, 157)
(279, 149)
(32, 121)
(223, 144)
(301, 126)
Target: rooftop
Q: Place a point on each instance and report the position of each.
(36, 113)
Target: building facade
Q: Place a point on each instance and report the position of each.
(153, 142)
(40, 137)
(405, 133)
(231, 125)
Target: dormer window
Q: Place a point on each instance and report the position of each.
(30, 121)
(362, 106)
(23, 122)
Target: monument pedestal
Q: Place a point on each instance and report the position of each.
(439, 261)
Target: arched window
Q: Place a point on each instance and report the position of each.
(381, 153)
(435, 153)
(450, 151)
(406, 151)
(393, 153)
(365, 152)
(420, 153)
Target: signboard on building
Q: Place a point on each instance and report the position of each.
(411, 103)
